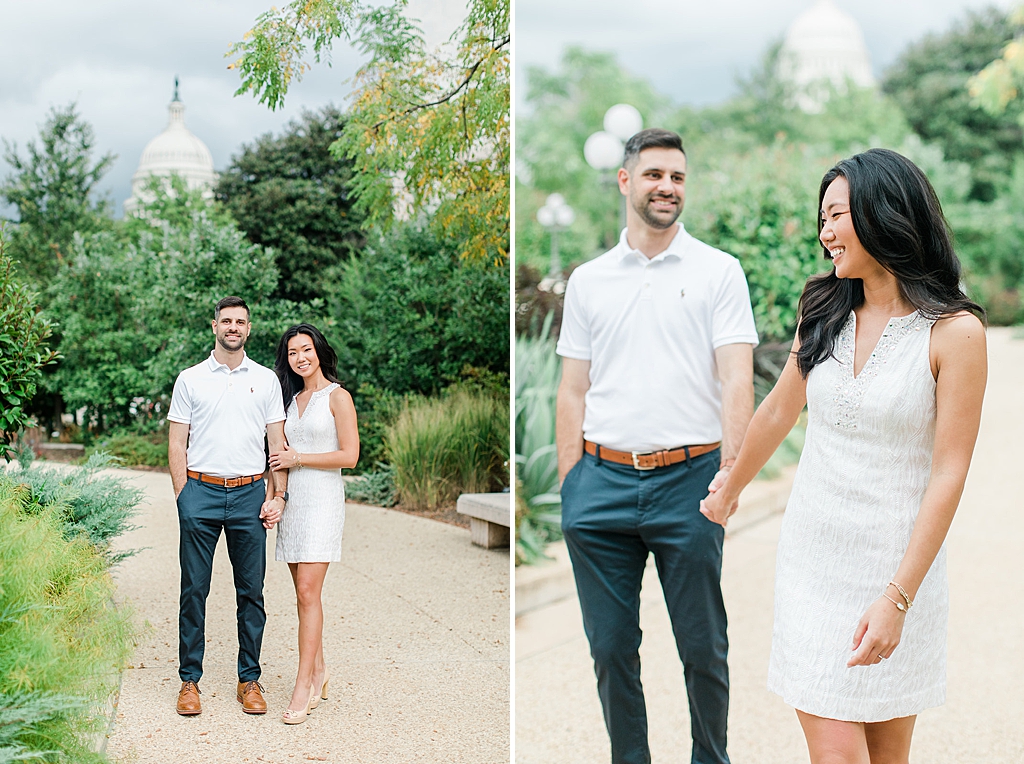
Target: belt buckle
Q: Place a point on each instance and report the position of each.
(636, 461)
(232, 482)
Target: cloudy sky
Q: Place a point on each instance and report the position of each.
(117, 60)
(694, 50)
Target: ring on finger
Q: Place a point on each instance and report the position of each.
(881, 656)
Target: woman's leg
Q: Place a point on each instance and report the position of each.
(889, 742)
(830, 741)
(308, 578)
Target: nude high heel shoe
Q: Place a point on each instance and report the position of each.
(298, 717)
(323, 689)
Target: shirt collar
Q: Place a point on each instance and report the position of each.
(215, 365)
(676, 248)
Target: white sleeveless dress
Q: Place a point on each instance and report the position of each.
(313, 520)
(863, 472)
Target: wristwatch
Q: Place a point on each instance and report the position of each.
(281, 495)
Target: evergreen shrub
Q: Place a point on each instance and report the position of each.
(92, 505)
(376, 487)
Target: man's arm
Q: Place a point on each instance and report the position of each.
(736, 372)
(274, 506)
(569, 413)
(177, 446)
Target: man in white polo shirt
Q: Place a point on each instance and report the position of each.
(656, 394)
(219, 413)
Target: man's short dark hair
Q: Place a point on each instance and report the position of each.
(651, 138)
(230, 302)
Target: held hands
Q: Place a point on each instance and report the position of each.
(878, 633)
(270, 512)
(284, 459)
(717, 507)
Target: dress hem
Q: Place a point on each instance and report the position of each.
(836, 707)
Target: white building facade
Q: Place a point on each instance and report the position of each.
(176, 151)
(824, 49)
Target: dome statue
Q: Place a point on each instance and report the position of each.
(176, 151)
(824, 47)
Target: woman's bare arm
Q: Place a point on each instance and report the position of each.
(769, 426)
(344, 412)
(960, 362)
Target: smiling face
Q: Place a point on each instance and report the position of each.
(839, 237)
(302, 356)
(232, 328)
(656, 186)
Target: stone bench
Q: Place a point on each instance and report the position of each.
(490, 518)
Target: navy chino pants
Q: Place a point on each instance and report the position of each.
(203, 511)
(613, 516)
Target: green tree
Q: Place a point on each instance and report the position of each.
(135, 308)
(409, 315)
(427, 130)
(53, 188)
(930, 83)
(996, 86)
(24, 349)
(765, 112)
(290, 193)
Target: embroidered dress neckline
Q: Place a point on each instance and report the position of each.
(894, 327)
(316, 393)
(850, 392)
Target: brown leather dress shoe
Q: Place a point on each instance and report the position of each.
(250, 695)
(188, 699)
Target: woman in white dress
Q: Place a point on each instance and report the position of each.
(322, 439)
(890, 361)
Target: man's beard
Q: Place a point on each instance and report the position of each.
(223, 342)
(644, 211)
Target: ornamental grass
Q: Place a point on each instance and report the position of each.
(62, 640)
(442, 447)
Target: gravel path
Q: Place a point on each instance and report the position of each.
(558, 716)
(416, 636)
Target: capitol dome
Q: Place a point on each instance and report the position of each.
(824, 46)
(176, 151)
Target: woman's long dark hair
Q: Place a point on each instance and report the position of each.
(292, 383)
(899, 221)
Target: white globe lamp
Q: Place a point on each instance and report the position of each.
(555, 216)
(603, 151)
(623, 121)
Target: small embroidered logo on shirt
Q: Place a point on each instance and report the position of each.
(682, 293)
(251, 390)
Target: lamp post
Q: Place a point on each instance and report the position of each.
(603, 149)
(555, 216)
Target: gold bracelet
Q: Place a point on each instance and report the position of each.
(903, 593)
(900, 605)
(299, 457)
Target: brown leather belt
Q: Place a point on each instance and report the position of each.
(650, 460)
(237, 482)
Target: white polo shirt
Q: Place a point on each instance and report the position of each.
(227, 411)
(649, 328)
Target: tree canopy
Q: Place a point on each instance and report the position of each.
(290, 193)
(996, 86)
(428, 131)
(930, 83)
(53, 186)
